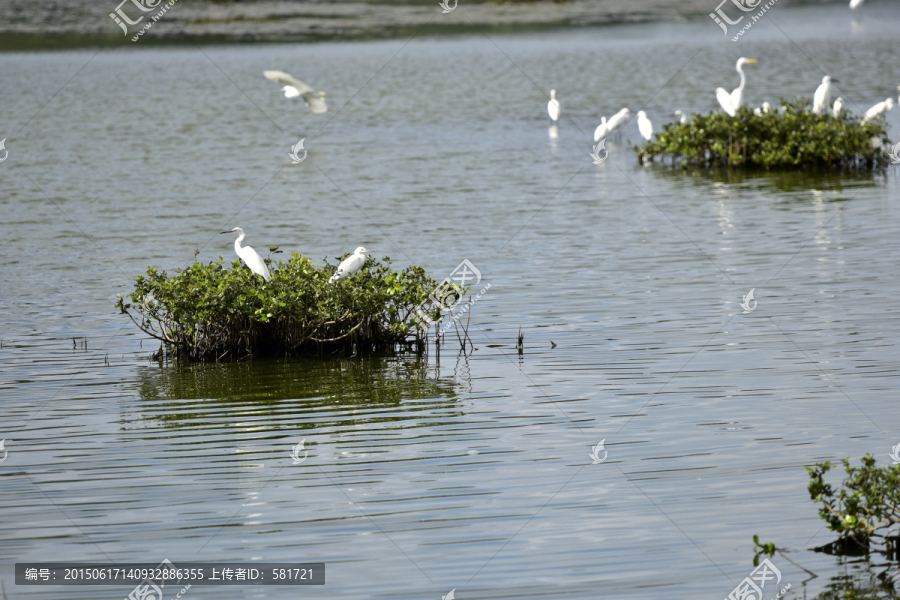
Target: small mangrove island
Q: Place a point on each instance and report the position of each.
(789, 136)
(210, 311)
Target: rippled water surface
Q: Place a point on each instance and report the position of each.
(427, 473)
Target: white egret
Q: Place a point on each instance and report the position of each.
(553, 107)
(644, 125)
(766, 107)
(618, 120)
(854, 4)
(314, 100)
(878, 109)
(822, 97)
(838, 110)
(350, 265)
(683, 117)
(758, 112)
(602, 130)
(250, 257)
(731, 102)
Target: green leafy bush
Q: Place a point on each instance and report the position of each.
(792, 139)
(209, 311)
(864, 511)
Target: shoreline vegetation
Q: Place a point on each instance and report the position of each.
(790, 136)
(208, 311)
(26, 25)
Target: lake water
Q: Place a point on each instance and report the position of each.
(430, 473)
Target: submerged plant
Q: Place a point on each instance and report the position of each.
(789, 137)
(209, 311)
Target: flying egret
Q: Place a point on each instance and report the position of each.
(602, 130)
(250, 257)
(854, 4)
(618, 120)
(822, 97)
(644, 125)
(731, 102)
(683, 117)
(314, 100)
(553, 107)
(838, 110)
(350, 265)
(879, 108)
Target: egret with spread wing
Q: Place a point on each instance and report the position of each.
(731, 102)
(250, 256)
(314, 100)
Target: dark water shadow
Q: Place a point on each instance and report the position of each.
(189, 393)
(778, 180)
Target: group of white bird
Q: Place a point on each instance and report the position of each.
(255, 263)
(730, 103)
(316, 103)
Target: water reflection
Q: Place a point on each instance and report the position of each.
(182, 393)
(784, 181)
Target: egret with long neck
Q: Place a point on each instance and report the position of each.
(250, 257)
(731, 102)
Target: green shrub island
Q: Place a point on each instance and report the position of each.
(864, 511)
(210, 311)
(788, 137)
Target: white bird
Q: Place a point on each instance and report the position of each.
(683, 118)
(879, 108)
(766, 107)
(350, 265)
(731, 102)
(854, 4)
(602, 130)
(644, 125)
(314, 100)
(822, 97)
(618, 120)
(250, 257)
(838, 110)
(553, 107)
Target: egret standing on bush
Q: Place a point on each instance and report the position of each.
(350, 265)
(822, 97)
(878, 109)
(731, 102)
(838, 110)
(644, 125)
(553, 107)
(682, 117)
(250, 257)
